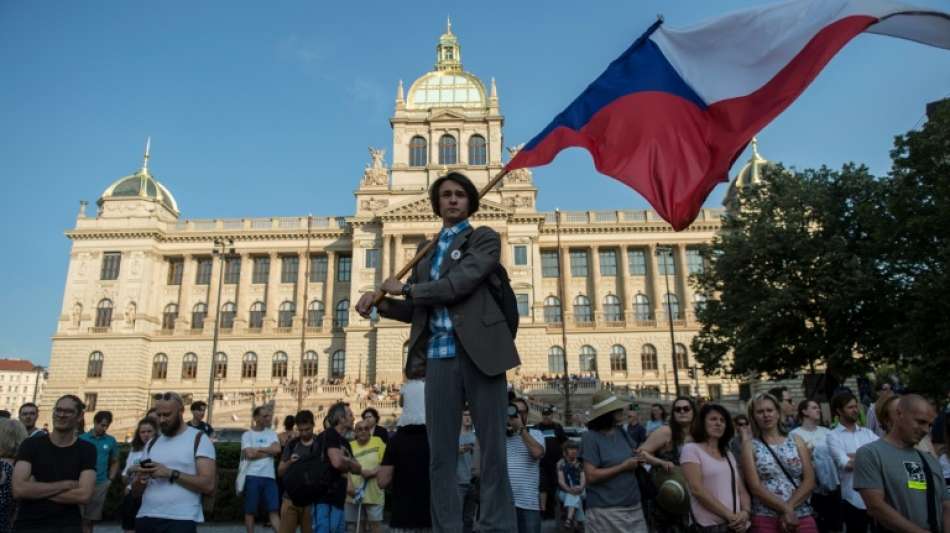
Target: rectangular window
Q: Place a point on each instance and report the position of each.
(90, 400)
(232, 270)
(289, 267)
(549, 264)
(714, 392)
(203, 274)
(372, 258)
(694, 261)
(523, 308)
(261, 269)
(666, 263)
(176, 266)
(521, 255)
(110, 265)
(636, 262)
(318, 268)
(578, 263)
(343, 264)
(608, 262)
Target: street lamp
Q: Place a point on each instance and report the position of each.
(224, 249)
(566, 386)
(662, 252)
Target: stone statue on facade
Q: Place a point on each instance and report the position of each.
(77, 314)
(372, 204)
(376, 174)
(521, 175)
(130, 314)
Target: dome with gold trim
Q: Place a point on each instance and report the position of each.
(141, 185)
(749, 174)
(448, 85)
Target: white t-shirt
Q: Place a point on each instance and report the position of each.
(133, 459)
(263, 467)
(523, 470)
(170, 500)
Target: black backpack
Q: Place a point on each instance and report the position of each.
(309, 479)
(499, 285)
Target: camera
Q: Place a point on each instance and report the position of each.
(512, 412)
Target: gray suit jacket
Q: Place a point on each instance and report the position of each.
(462, 287)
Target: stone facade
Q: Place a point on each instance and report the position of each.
(140, 276)
(20, 382)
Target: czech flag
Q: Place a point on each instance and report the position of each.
(671, 115)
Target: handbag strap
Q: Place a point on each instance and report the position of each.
(779, 462)
(931, 505)
(732, 478)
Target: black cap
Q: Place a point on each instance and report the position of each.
(547, 410)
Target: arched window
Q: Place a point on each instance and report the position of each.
(341, 317)
(285, 315)
(682, 358)
(418, 152)
(671, 305)
(338, 364)
(104, 313)
(477, 153)
(699, 302)
(588, 359)
(448, 150)
(556, 360)
(189, 366)
(169, 316)
(249, 365)
(641, 307)
(552, 310)
(256, 319)
(310, 364)
(612, 309)
(160, 366)
(582, 312)
(198, 314)
(94, 369)
(278, 367)
(228, 312)
(618, 358)
(221, 365)
(648, 358)
(315, 314)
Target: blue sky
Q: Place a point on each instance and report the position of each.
(266, 108)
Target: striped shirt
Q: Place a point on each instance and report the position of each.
(523, 470)
(442, 342)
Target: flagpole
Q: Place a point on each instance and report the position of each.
(429, 245)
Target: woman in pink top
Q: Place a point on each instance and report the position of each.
(720, 502)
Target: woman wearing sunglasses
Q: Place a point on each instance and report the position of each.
(662, 450)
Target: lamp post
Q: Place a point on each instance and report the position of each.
(224, 249)
(661, 253)
(304, 322)
(565, 380)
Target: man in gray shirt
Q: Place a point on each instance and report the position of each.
(895, 480)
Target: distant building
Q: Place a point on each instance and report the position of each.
(20, 381)
(141, 292)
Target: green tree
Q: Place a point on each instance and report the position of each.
(794, 277)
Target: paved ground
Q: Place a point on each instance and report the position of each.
(548, 527)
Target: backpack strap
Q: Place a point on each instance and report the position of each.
(151, 444)
(931, 487)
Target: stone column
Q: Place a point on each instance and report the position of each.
(302, 281)
(656, 281)
(328, 302)
(242, 294)
(183, 324)
(626, 297)
(682, 278)
(385, 259)
(565, 270)
(595, 305)
(270, 296)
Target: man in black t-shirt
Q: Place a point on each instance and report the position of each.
(55, 473)
(328, 511)
(554, 437)
(198, 410)
(297, 449)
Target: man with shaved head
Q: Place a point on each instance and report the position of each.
(903, 488)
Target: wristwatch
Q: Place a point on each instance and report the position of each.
(174, 476)
(406, 289)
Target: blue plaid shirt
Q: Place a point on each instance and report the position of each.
(442, 342)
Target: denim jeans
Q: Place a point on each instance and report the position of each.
(529, 521)
(328, 519)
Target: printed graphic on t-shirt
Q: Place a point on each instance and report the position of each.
(916, 479)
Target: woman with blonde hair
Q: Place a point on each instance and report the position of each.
(778, 472)
(12, 433)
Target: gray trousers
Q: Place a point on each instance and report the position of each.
(449, 383)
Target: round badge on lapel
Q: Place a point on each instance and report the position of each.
(455, 255)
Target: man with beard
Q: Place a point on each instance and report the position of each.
(178, 468)
(55, 473)
(28, 414)
(843, 443)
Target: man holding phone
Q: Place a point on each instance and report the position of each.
(179, 467)
(304, 445)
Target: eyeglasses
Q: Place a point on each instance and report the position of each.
(682, 409)
(59, 411)
(788, 401)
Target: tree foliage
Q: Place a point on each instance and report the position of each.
(835, 268)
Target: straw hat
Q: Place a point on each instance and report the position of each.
(604, 402)
(672, 494)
